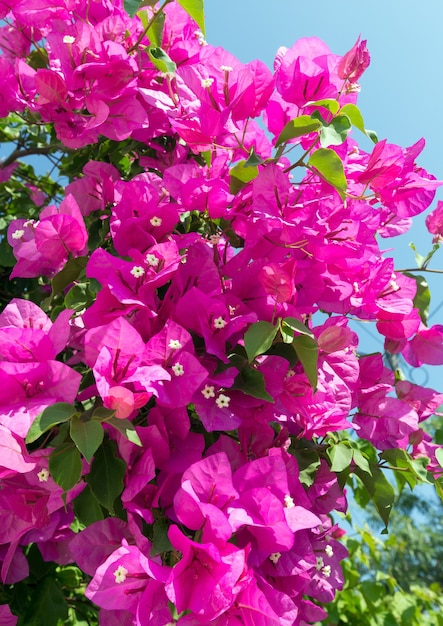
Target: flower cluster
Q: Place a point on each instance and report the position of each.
(211, 364)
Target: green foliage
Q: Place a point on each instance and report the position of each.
(329, 166)
(106, 476)
(396, 581)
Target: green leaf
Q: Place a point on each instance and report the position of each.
(252, 382)
(131, 6)
(335, 133)
(328, 103)
(160, 541)
(77, 298)
(155, 31)
(354, 114)
(298, 127)
(71, 271)
(161, 60)
(65, 465)
(422, 298)
(86, 507)
(106, 476)
(340, 456)
(126, 428)
(87, 436)
(258, 338)
(49, 417)
(361, 461)
(240, 175)
(380, 490)
(47, 605)
(307, 352)
(195, 8)
(439, 456)
(253, 159)
(296, 326)
(329, 165)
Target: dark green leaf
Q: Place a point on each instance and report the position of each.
(258, 338)
(253, 159)
(285, 350)
(307, 352)
(195, 8)
(298, 127)
(126, 428)
(77, 298)
(86, 507)
(131, 6)
(65, 465)
(340, 456)
(240, 175)
(296, 326)
(71, 271)
(47, 605)
(87, 436)
(106, 476)
(252, 382)
(329, 165)
(160, 541)
(162, 61)
(380, 490)
(49, 417)
(335, 133)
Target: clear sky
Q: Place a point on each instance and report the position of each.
(401, 92)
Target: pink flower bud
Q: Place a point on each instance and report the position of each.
(354, 62)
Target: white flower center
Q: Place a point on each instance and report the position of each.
(326, 571)
(178, 369)
(137, 271)
(120, 574)
(219, 322)
(329, 551)
(223, 401)
(206, 82)
(274, 557)
(152, 260)
(18, 234)
(68, 39)
(174, 344)
(156, 221)
(289, 502)
(43, 475)
(208, 391)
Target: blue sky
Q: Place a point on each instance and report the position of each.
(401, 92)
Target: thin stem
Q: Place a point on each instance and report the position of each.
(421, 269)
(148, 26)
(18, 154)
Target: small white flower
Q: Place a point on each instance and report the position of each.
(274, 557)
(319, 563)
(208, 391)
(18, 234)
(329, 551)
(43, 475)
(156, 221)
(289, 502)
(223, 401)
(326, 571)
(206, 82)
(219, 323)
(120, 574)
(137, 271)
(152, 260)
(226, 68)
(68, 39)
(29, 223)
(174, 344)
(178, 369)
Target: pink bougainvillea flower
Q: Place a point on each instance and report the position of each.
(207, 579)
(354, 62)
